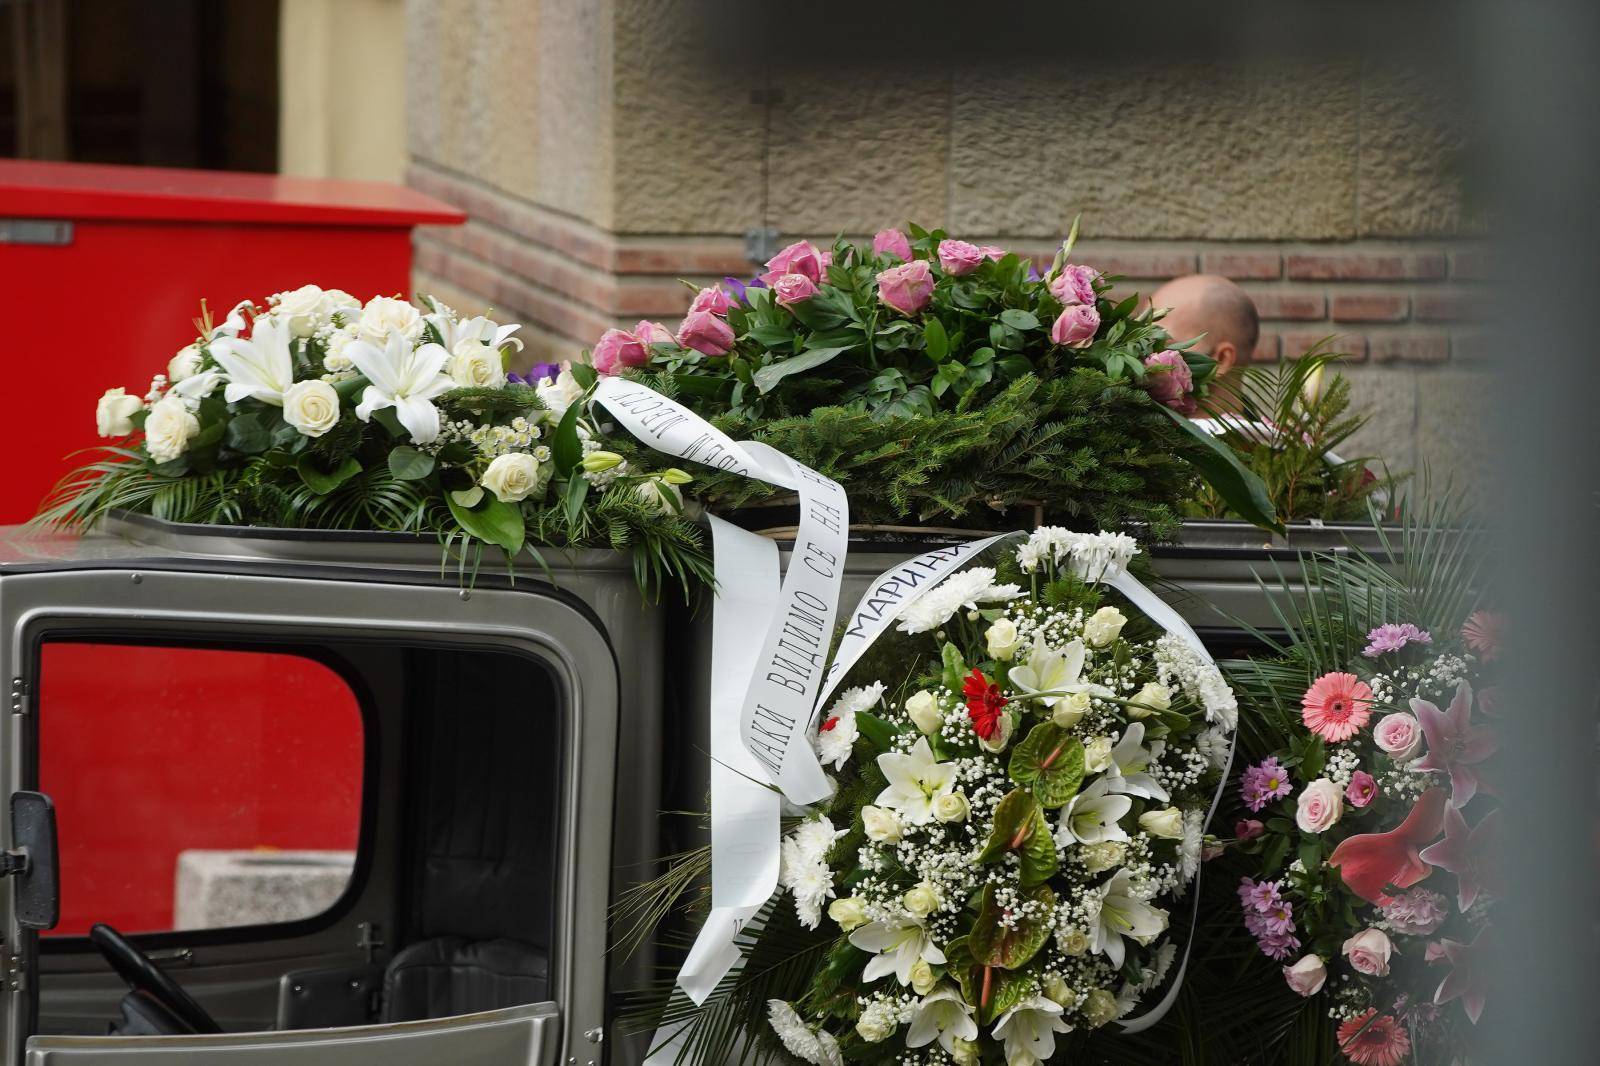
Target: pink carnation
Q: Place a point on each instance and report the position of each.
(892, 242)
(1416, 912)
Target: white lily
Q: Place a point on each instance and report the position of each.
(403, 379)
(1130, 765)
(235, 323)
(945, 1016)
(1116, 913)
(1029, 1029)
(897, 946)
(197, 387)
(479, 329)
(916, 781)
(1052, 674)
(1092, 815)
(261, 367)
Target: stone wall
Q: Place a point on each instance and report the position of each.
(618, 160)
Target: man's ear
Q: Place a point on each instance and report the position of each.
(1226, 353)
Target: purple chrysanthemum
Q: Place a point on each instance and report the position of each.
(1391, 638)
(1263, 783)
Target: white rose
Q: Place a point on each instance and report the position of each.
(1319, 806)
(1002, 639)
(559, 393)
(475, 364)
(301, 309)
(1102, 856)
(384, 315)
(951, 807)
(512, 477)
(882, 825)
(877, 1022)
(663, 498)
(1097, 755)
(1070, 709)
(1104, 626)
(169, 429)
(113, 414)
(849, 912)
(185, 364)
(922, 900)
(922, 977)
(1072, 941)
(964, 1052)
(1004, 728)
(1167, 823)
(1057, 989)
(1099, 1007)
(1148, 700)
(923, 708)
(1307, 976)
(312, 407)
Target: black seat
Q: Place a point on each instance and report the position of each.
(484, 741)
(449, 975)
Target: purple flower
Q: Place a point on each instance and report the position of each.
(1416, 912)
(1264, 896)
(542, 372)
(1391, 638)
(1268, 917)
(1455, 745)
(1263, 783)
(1466, 852)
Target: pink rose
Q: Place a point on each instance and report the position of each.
(1170, 381)
(616, 350)
(792, 289)
(650, 333)
(1307, 976)
(705, 333)
(1362, 789)
(1076, 327)
(906, 288)
(713, 299)
(1368, 952)
(1074, 285)
(993, 252)
(959, 257)
(1319, 806)
(1248, 829)
(1399, 736)
(801, 257)
(892, 242)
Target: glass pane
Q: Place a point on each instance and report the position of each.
(195, 787)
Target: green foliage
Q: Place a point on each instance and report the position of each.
(1050, 762)
(1300, 465)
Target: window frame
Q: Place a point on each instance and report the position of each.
(184, 637)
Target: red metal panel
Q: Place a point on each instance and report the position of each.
(82, 190)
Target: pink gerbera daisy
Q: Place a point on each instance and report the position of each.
(1369, 1041)
(1336, 706)
(1483, 634)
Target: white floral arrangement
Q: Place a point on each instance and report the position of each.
(315, 409)
(1022, 793)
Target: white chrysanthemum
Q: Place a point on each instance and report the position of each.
(814, 837)
(812, 887)
(1155, 973)
(814, 1046)
(838, 734)
(1178, 664)
(1214, 744)
(1191, 844)
(1092, 556)
(966, 589)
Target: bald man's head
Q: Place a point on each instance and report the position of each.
(1215, 306)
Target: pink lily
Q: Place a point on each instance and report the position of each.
(1455, 745)
(1371, 862)
(1464, 852)
(1466, 979)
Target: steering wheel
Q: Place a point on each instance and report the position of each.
(143, 976)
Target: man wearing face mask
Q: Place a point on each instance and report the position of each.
(1216, 307)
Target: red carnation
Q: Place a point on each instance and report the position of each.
(984, 703)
